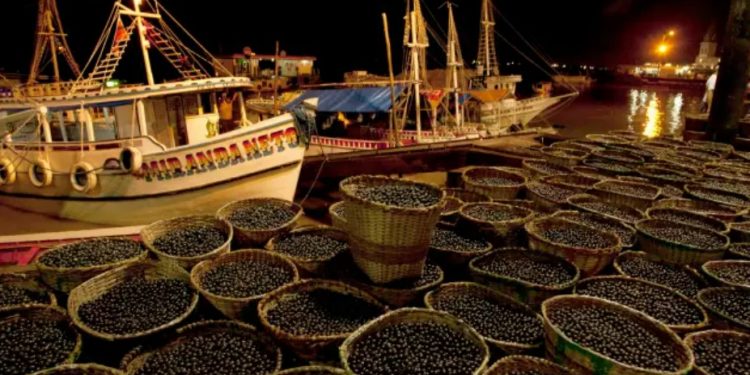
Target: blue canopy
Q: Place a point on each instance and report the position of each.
(352, 100)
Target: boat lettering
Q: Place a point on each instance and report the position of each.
(218, 157)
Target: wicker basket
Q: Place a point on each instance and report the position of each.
(499, 233)
(203, 328)
(312, 266)
(237, 308)
(590, 172)
(607, 139)
(564, 157)
(740, 232)
(692, 218)
(623, 157)
(522, 291)
(467, 196)
(313, 370)
(574, 181)
(100, 285)
(710, 268)
(338, 220)
(693, 339)
(308, 346)
(408, 315)
(701, 155)
(455, 258)
(466, 288)
(546, 203)
(80, 369)
(26, 282)
(739, 250)
(515, 364)
(626, 233)
(610, 167)
(247, 238)
(65, 279)
(388, 243)
(48, 313)
(720, 319)
(668, 173)
(153, 232)
(563, 348)
(708, 194)
(678, 328)
(504, 192)
(539, 168)
(723, 213)
(574, 146)
(674, 252)
(608, 191)
(722, 149)
(589, 261)
(630, 215)
(697, 278)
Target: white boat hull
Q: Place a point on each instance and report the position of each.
(500, 116)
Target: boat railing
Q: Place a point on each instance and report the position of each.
(360, 144)
(36, 90)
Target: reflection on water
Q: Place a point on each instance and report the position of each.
(652, 111)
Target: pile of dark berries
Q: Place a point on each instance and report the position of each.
(418, 348)
(531, 267)
(494, 213)
(659, 303)
(321, 312)
(626, 214)
(665, 173)
(619, 156)
(629, 189)
(626, 234)
(445, 239)
(191, 241)
(11, 295)
(400, 195)
(740, 249)
(722, 354)
(577, 236)
(685, 235)
(430, 274)
(493, 319)
(719, 196)
(700, 155)
(555, 193)
(310, 246)
(137, 305)
(92, 253)
(28, 345)
(223, 352)
(497, 181)
(546, 168)
(264, 216)
(689, 218)
(737, 187)
(670, 275)
(733, 272)
(245, 279)
(614, 335)
(609, 166)
(732, 302)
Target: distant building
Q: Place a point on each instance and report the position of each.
(294, 71)
(707, 60)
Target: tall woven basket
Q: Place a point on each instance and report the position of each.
(248, 238)
(151, 234)
(472, 182)
(388, 243)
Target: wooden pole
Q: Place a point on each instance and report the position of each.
(728, 100)
(394, 138)
(276, 80)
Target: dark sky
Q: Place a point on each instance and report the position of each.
(347, 34)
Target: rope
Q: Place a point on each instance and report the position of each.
(303, 118)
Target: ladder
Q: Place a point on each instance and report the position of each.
(174, 55)
(106, 67)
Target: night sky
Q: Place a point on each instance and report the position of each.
(347, 34)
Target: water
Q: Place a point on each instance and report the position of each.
(648, 110)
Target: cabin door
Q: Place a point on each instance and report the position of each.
(176, 116)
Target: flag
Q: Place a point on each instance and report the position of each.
(434, 97)
(121, 33)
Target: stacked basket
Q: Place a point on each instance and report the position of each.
(389, 242)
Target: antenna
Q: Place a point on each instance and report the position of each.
(50, 40)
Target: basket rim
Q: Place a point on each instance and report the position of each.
(555, 180)
(529, 164)
(707, 268)
(344, 349)
(531, 230)
(101, 267)
(600, 186)
(80, 366)
(302, 369)
(619, 155)
(271, 245)
(691, 339)
(575, 201)
(607, 139)
(565, 154)
(487, 244)
(70, 326)
(695, 275)
(691, 189)
(112, 337)
(565, 215)
(207, 264)
(707, 218)
(555, 288)
(159, 253)
(366, 287)
(676, 340)
(429, 301)
(310, 284)
(223, 213)
(514, 357)
(693, 205)
(733, 250)
(529, 213)
(332, 210)
(722, 314)
(676, 327)
(450, 192)
(466, 179)
(345, 186)
(640, 227)
(19, 277)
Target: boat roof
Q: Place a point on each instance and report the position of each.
(350, 100)
(126, 93)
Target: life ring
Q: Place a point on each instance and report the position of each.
(40, 173)
(131, 160)
(7, 172)
(83, 177)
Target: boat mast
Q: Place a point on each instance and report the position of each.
(487, 56)
(417, 42)
(50, 36)
(138, 16)
(455, 62)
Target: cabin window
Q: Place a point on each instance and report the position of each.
(191, 105)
